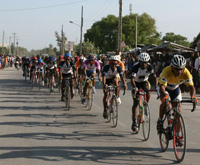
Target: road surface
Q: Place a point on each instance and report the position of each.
(36, 129)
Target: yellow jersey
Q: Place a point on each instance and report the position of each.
(168, 78)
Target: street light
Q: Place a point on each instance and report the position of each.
(81, 30)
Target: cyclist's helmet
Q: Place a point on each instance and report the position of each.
(61, 57)
(114, 58)
(178, 61)
(34, 58)
(77, 58)
(68, 55)
(51, 58)
(91, 57)
(40, 60)
(144, 57)
(81, 59)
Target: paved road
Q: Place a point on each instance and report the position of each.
(36, 129)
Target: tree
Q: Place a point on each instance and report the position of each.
(104, 33)
(146, 29)
(59, 40)
(178, 39)
(87, 48)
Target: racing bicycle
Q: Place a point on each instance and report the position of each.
(174, 128)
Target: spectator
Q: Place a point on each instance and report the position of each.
(196, 65)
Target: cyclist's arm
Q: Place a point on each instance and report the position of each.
(162, 91)
(192, 90)
(133, 82)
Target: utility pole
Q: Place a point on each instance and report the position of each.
(3, 42)
(14, 44)
(17, 51)
(81, 30)
(120, 26)
(9, 45)
(62, 47)
(130, 8)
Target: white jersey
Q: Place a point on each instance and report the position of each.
(139, 74)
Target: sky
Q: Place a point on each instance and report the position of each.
(35, 21)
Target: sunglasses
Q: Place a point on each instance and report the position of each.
(67, 59)
(113, 63)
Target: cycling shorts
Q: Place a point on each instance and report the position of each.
(173, 94)
(90, 72)
(140, 85)
(41, 70)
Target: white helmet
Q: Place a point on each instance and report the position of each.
(144, 57)
(178, 61)
(114, 58)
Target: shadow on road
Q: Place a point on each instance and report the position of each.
(105, 155)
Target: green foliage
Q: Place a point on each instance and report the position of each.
(87, 48)
(171, 37)
(104, 33)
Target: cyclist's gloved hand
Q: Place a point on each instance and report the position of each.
(134, 90)
(194, 99)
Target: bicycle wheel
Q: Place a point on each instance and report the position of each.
(114, 111)
(59, 85)
(25, 73)
(164, 136)
(90, 97)
(146, 121)
(32, 81)
(179, 138)
(138, 121)
(50, 85)
(40, 81)
(108, 114)
(67, 97)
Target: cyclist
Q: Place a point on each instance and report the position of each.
(17, 62)
(40, 67)
(90, 67)
(140, 73)
(50, 69)
(121, 64)
(79, 72)
(67, 68)
(170, 79)
(25, 62)
(33, 64)
(110, 74)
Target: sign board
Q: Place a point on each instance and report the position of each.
(122, 44)
(70, 46)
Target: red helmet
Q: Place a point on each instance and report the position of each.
(77, 58)
(34, 58)
(61, 56)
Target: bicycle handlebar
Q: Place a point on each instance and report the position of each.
(186, 101)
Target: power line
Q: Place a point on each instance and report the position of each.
(34, 8)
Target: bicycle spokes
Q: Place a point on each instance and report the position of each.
(179, 138)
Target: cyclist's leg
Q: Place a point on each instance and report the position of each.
(176, 94)
(105, 98)
(89, 73)
(62, 87)
(146, 86)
